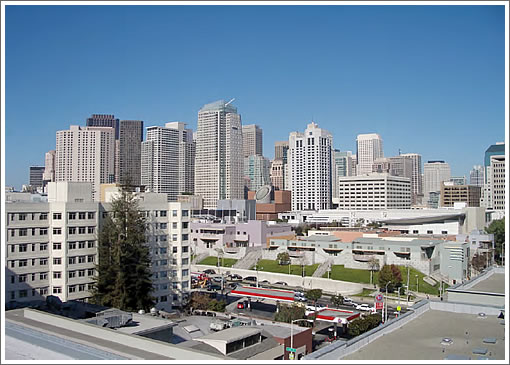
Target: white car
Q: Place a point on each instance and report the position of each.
(365, 307)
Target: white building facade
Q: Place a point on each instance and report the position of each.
(310, 165)
(252, 140)
(86, 154)
(417, 177)
(219, 154)
(369, 148)
(435, 172)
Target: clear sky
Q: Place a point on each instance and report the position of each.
(428, 79)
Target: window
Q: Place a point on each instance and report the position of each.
(162, 250)
(43, 216)
(185, 272)
(163, 286)
(43, 291)
(90, 272)
(90, 258)
(57, 215)
(57, 246)
(90, 244)
(162, 238)
(71, 230)
(81, 259)
(81, 230)
(57, 290)
(43, 246)
(163, 262)
(174, 249)
(43, 275)
(90, 230)
(57, 274)
(72, 260)
(174, 285)
(415, 231)
(162, 225)
(22, 278)
(81, 215)
(72, 274)
(163, 274)
(12, 279)
(185, 249)
(43, 261)
(444, 232)
(174, 237)
(33, 231)
(81, 273)
(33, 262)
(91, 215)
(22, 263)
(185, 237)
(185, 284)
(185, 213)
(72, 216)
(81, 287)
(162, 213)
(22, 216)
(57, 261)
(81, 244)
(174, 213)
(72, 288)
(13, 248)
(43, 231)
(174, 225)
(430, 232)
(72, 245)
(184, 225)
(57, 230)
(23, 293)
(34, 293)
(185, 261)
(163, 298)
(23, 232)
(23, 247)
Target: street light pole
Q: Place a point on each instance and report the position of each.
(386, 303)
(417, 288)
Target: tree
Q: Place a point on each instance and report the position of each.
(288, 313)
(199, 301)
(497, 228)
(337, 300)
(373, 263)
(362, 325)
(479, 261)
(390, 274)
(314, 295)
(123, 275)
(283, 258)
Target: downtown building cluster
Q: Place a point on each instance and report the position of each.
(176, 171)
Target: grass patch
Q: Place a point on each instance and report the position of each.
(273, 266)
(339, 272)
(213, 261)
(365, 293)
(423, 287)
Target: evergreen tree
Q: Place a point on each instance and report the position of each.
(123, 271)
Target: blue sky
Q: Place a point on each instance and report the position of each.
(428, 79)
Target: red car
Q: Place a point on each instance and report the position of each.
(240, 305)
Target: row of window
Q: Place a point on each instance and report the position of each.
(23, 247)
(25, 216)
(81, 215)
(23, 232)
(24, 293)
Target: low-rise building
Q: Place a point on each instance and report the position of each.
(452, 193)
(269, 211)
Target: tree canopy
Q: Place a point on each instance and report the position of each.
(390, 274)
(123, 275)
(497, 228)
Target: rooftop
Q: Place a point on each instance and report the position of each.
(421, 338)
(231, 334)
(493, 284)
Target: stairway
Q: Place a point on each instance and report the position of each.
(322, 269)
(249, 260)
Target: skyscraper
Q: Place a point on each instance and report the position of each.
(494, 186)
(168, 160)
(49, 167)
(369, 148)
(343, 165)
(310, 164)
(417, 177)
(280, 150)
(278, 174)
(252, 140)
(435, 173)
(476, 175)
(129, 152)
(256, 169)
(219, 154)
(86, 154)
(104, 120)
(36, 176)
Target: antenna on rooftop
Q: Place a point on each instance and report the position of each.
(230, 101)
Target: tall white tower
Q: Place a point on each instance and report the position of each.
(416, 180)
(310, 165)
(369, 148)
(168, 157)
(219, 158)
(435, 172)
(86, 154)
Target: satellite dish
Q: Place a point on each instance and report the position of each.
(263, 194)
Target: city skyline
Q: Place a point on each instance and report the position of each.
(433, 90)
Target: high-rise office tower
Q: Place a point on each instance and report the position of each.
(280, 150)
(130, 152)
(476, 175)
(104, 120)
(219, 157)
(494, 186)
(278, 174)
(369, 148)
(49, 167)
(36, 176)
(417, 177)
(310, 164)
(257, 170)
(435, 172)
(252, 140)
(343, 165)
(168, 156)
(86, 154)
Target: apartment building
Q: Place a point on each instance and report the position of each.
(375, 191)
(51, 247)
(452, 193)
(219, 154)
(310, 163)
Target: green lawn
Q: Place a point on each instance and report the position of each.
(212, 260)
(273, 266)
(339, 272)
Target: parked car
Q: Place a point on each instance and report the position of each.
(250, 279)
(365, 307)
(264, 283)
(209, 271)
(282, 283)
(240, 305)
(299, 298)
(234, 277)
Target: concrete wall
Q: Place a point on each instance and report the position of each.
(107, 334)
(465, 307)
(308, 282)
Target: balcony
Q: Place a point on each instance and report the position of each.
(364, 258)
